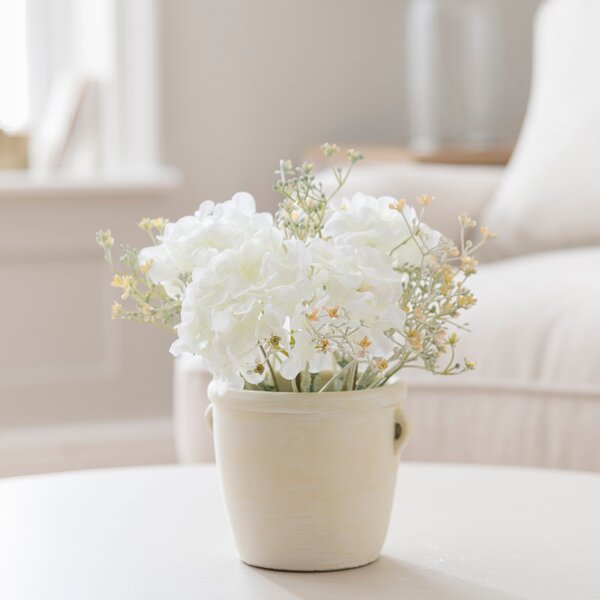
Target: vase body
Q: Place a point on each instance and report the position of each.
(309, 478)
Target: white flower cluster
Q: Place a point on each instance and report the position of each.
(256, 301)
(332, 293)
(192, 240)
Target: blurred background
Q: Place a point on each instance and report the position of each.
(115, 110)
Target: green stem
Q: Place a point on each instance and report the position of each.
(391, 373)
(270, 368)
(343, 370)
(351, 378)
(365, 375)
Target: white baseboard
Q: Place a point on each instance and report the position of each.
(86, 445)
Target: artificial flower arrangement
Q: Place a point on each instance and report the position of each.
(332, 294)
(356, 287)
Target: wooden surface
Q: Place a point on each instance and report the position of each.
(457, 533)
(452, 155)
(13, 151)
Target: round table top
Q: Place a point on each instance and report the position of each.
(457, 533)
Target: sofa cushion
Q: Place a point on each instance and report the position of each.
(458, 421)
(550, 194)
(536, 324)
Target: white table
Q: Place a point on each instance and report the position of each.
(457, 533)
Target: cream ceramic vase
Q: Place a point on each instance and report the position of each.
(309, 478)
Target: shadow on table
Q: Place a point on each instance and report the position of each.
(387, 578)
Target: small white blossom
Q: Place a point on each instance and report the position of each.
(304, 353)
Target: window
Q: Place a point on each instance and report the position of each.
(14, 93)
(80, 78)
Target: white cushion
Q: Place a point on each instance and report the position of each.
(550, 195)
(536, 322)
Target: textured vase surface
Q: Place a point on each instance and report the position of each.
(309, 478)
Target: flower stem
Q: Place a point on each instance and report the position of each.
(270, 368)
(343, 370)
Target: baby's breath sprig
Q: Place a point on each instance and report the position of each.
(301, 213)
(147, 302)
(435, 296)
(106, 241)
(153, 227)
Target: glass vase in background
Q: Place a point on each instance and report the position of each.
(455, 72)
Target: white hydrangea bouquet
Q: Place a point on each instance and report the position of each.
(331, 294)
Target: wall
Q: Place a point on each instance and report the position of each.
(247, 83)
(76, 389)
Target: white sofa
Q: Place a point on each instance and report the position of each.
(535, 397)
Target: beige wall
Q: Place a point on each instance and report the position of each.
(246, 83)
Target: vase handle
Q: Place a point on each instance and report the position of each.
(208, 417)
(402, 430)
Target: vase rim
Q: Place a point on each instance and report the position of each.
(310, 402)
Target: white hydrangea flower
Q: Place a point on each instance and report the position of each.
(241, 297)
(354, 306)
(360, 279)
(192, 240)
(249, 285)
(365, 221)
(304, 353)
